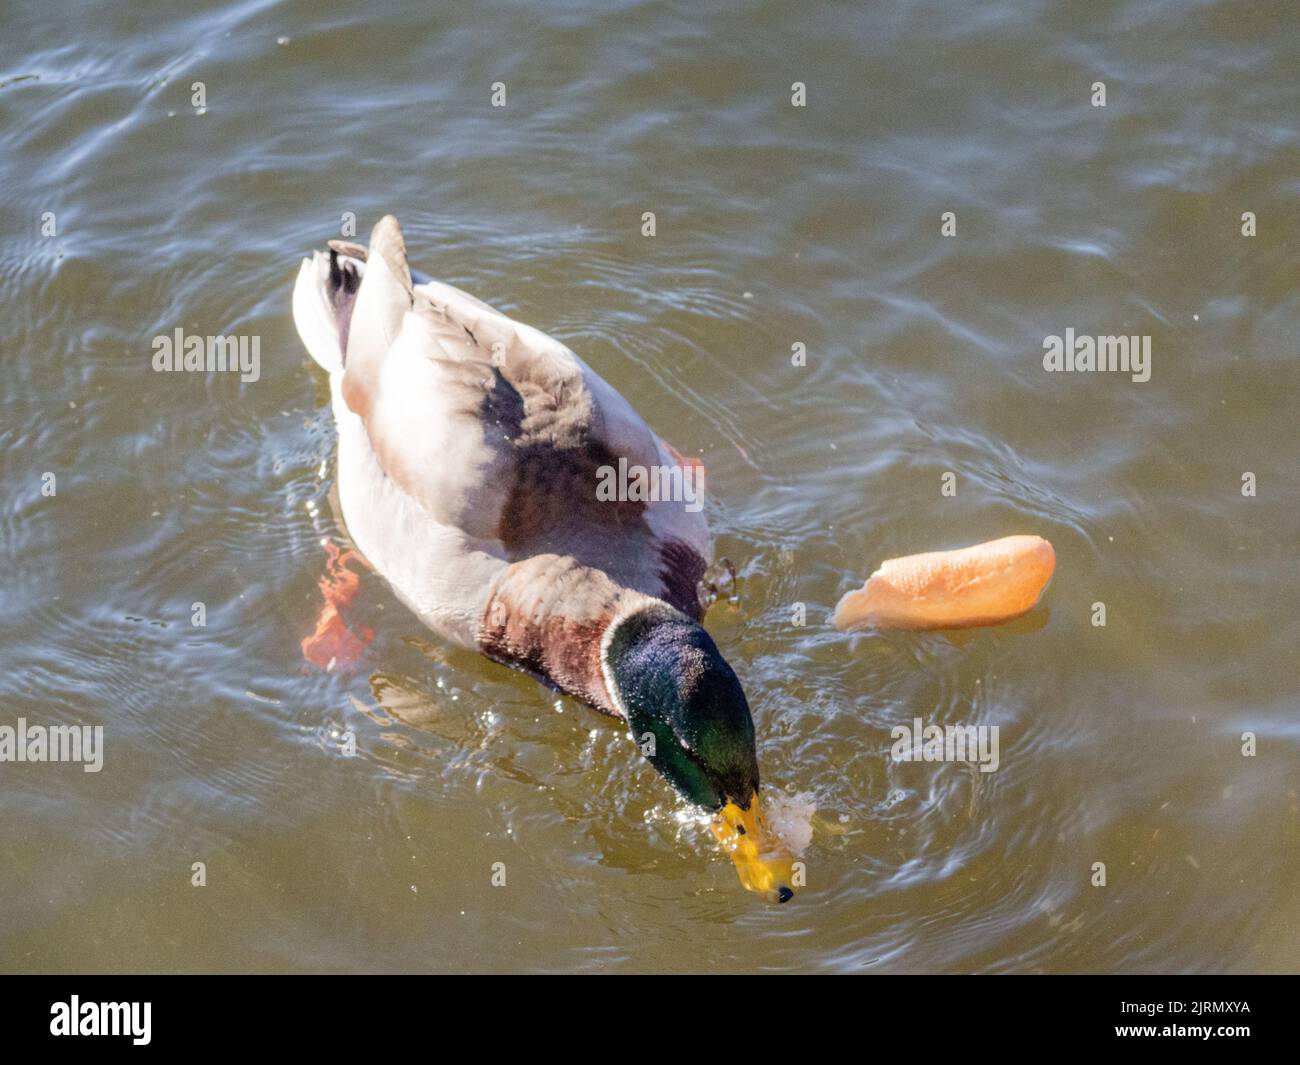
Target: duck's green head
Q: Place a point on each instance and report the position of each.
(688, 714)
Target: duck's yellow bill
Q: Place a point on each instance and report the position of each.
(762, 860)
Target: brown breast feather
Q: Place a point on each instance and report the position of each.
(547, 614)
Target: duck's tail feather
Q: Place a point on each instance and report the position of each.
(381, 303)
(348, 303)
(322, 305)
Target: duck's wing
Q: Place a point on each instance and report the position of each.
(501, 431)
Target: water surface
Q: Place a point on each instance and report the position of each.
(776, 225)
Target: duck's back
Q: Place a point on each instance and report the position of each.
(480, 458)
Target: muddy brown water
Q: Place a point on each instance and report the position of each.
(776, 225)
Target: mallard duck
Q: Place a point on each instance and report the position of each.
(470, 450)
